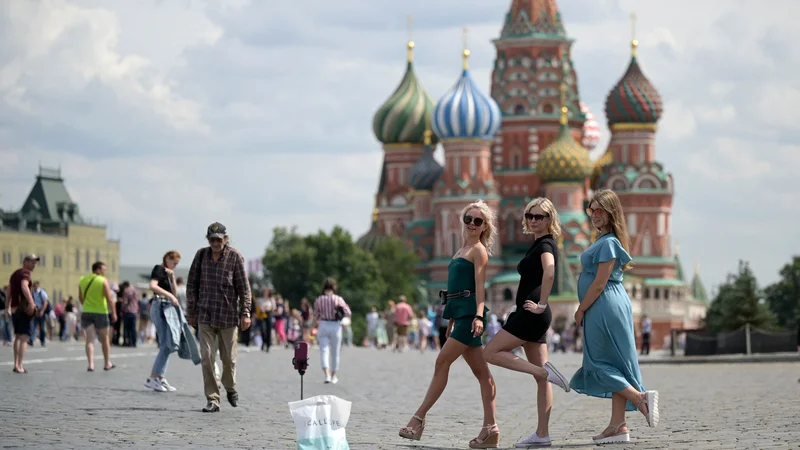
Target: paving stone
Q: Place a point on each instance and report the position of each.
(60, 405)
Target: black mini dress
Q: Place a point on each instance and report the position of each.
(523, 324)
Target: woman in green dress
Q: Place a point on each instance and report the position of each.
(466, 311)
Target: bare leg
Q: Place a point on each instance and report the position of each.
(474, 357)
(20, 345)
(105, 343)
(498, 353)
(441, 371)
(537, 355)
(89, 334)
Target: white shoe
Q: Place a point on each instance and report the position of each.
(534, 441)
(167, 385)
(555, 377)
(334, 380)
(327, 379)
(154, 384)
(651, 397)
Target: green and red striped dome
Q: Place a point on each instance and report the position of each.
(634, 99)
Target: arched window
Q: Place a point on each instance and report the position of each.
(519, 110)
(511, 224)
(508, 295)
(547, 109)
(515, 164)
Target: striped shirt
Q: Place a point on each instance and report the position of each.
(224, 290)
(325, 307)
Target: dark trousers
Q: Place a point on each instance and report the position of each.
(129, 334)
(244, 337)
(42, 324)
(266, 333)
(442, 336)
(645, 343)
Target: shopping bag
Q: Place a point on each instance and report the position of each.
(320, 422)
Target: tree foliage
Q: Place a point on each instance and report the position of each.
(738, 302)
(783, 297)
(299, 264)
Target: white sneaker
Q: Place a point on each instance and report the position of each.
(167, 385)
(534, 441)
(154, 384)
(327, 379)
(334, 380)
(555, 377)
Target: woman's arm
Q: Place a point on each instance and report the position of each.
(548, 277)
(604, 270)
(481, 261)
(162, 292)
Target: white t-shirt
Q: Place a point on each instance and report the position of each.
(425, 326)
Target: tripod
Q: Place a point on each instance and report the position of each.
(301, 366)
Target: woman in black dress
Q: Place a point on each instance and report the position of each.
(528, 325)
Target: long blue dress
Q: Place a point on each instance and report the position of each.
(610, 361)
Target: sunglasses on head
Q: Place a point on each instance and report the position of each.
(592, 212)
(536, 217)
(477, 221)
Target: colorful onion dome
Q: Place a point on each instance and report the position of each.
(564, 160)
(406, 114)
(426, 170)
(604, 160)
(591, 129)
(373, 237)
(466, 112)
(634, 99)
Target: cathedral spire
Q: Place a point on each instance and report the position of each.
(533, 18)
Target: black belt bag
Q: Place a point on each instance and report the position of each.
(445, 296)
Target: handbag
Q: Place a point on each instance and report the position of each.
(339, 314)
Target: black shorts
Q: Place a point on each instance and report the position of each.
(528, 326)
(99, 320)
(21, 322)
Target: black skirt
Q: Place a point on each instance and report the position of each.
(528, 326)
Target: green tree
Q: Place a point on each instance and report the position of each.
(299, 264)
(397, 264)
(738, 302)
(783, 297)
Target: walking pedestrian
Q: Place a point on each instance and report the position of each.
(98, 302)
(219, 301)
(647, 328)
(5, 318)
(329, 310)
(166, 315)
(39, 321)
(610, 366)
(21, 308)
(527, 326)
(466, 311)
(130, 312)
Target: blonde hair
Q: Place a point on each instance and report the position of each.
(489, 219)
(609, 202)
(547, 206)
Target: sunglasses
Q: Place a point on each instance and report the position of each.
(477, 221)
(594, 212)
(536, 217)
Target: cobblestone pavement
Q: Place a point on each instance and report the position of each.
(60, 405)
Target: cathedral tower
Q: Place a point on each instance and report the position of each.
(533, 61)
(630, 168)
(466, 120)
(400, 124)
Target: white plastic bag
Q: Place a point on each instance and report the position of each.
(320, 422)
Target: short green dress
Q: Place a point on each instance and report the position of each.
(460, 277)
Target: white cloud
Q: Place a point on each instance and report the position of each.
(168, 115)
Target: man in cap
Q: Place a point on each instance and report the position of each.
(218, 303)
(21, 307)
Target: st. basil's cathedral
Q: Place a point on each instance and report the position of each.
(531, 137)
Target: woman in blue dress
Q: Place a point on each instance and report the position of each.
(466, 311)
(610, 363)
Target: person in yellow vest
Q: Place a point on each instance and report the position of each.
(98, 302)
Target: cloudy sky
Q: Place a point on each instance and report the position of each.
(166, 115)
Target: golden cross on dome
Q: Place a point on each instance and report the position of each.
(634, 42)
(466, 50)
(564, 109)
(410, 41)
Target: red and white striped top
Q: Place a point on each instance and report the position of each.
(325, 307)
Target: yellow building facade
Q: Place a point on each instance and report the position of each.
(50, 226)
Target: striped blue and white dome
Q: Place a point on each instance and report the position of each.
(466, 112)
